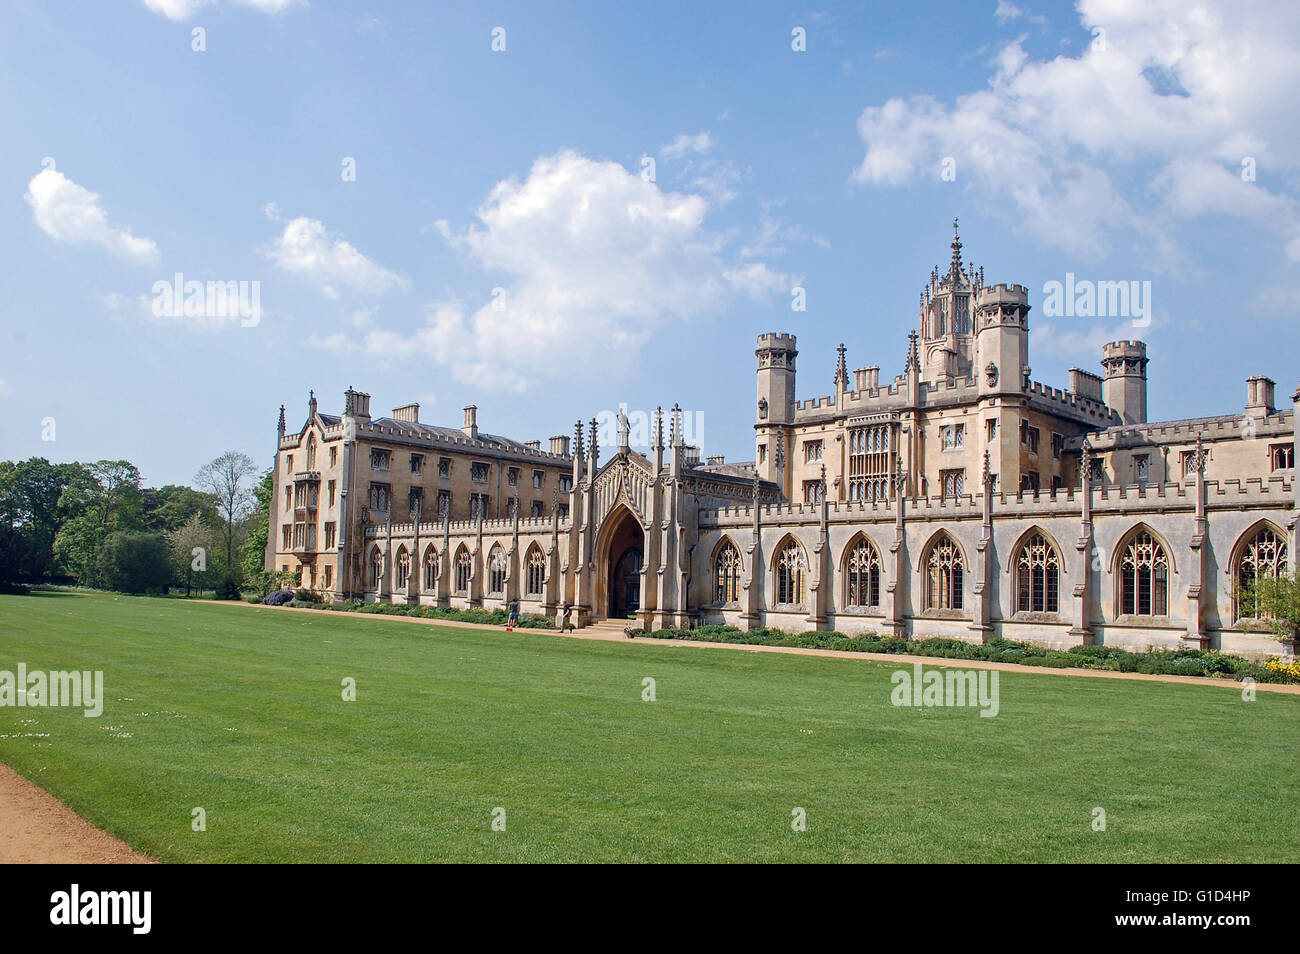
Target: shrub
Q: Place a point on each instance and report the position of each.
(134, 563)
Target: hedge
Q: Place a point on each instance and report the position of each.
(1173, 662)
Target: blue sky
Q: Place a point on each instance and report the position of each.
(518, 177)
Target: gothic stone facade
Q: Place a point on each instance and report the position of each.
(963, 499)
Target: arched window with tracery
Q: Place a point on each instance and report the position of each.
(464, 569)
(1263, 557)
(376, 568)
(536, 571)
(311, 452)
(791, 569)
(1038, 576)
(497, 571)
(862, 575)
(403, 568)
(944, 575)
(1143, 576)
(430, 569)
(726, 574)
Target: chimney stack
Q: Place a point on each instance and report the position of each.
(407, 412)
(533, 445)
(560, 445)
(1260, 395)
(356, 404)
(470, 427)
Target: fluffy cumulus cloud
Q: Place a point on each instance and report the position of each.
(1155, 122)
(180, 10)
(69, 213)
(308, 249)
(585, 261)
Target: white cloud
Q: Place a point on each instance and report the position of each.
(1007, 11)
(772, 237)
(6, 388)
(272, 6)
(307, 248)
(683, 144)
(1168, 97)
(176, 10)
(591, 260)
(1072, 337)
(67, 212)
(181, 10)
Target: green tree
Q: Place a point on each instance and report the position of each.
(227, 479)
(133, 562)
(30, 517)
(1279, 598)
(100, 499)
(252, 559)
(190, 547)
(171, 507)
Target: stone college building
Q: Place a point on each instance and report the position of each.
(962, 498)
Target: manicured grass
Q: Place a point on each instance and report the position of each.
(239, 711)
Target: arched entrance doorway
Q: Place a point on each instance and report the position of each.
(622, 560)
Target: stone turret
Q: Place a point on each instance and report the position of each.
(776, 355)
(1002, 320)
(1125, 388)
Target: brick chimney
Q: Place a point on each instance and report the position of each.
(470, 427)
(560, 445)
(407, 412)
(1260, 395)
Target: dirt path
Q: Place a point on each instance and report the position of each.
(606, 631)
(37, 828)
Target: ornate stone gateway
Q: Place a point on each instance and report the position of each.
(620, 559)
(625, 584)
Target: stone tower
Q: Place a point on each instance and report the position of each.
(1125, 389)
(1002, 338)
(776, 355)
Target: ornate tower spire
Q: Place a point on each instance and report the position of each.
(280, 426)
(311, 404)
(659, 428)
(595, 448)
(913, 355)
(578, 447)
(841, 379)
(954, 270)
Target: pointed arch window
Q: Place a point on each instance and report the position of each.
(464, 569)
(1144, 577)
(726, 574)
(430, 570)
(862, 575)
(1038, 577)
(944, 575)
(403, 568)
(536, 572)
(376, 568)
(791, 569)
(1264, 557)
(497, 571)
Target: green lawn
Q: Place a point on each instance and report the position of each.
(239, 711)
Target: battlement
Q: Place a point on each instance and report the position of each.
(1002, 293)
(774, 340)
(1187, 431)
(1081, 404)
(1124, 349)
(1230, 494)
